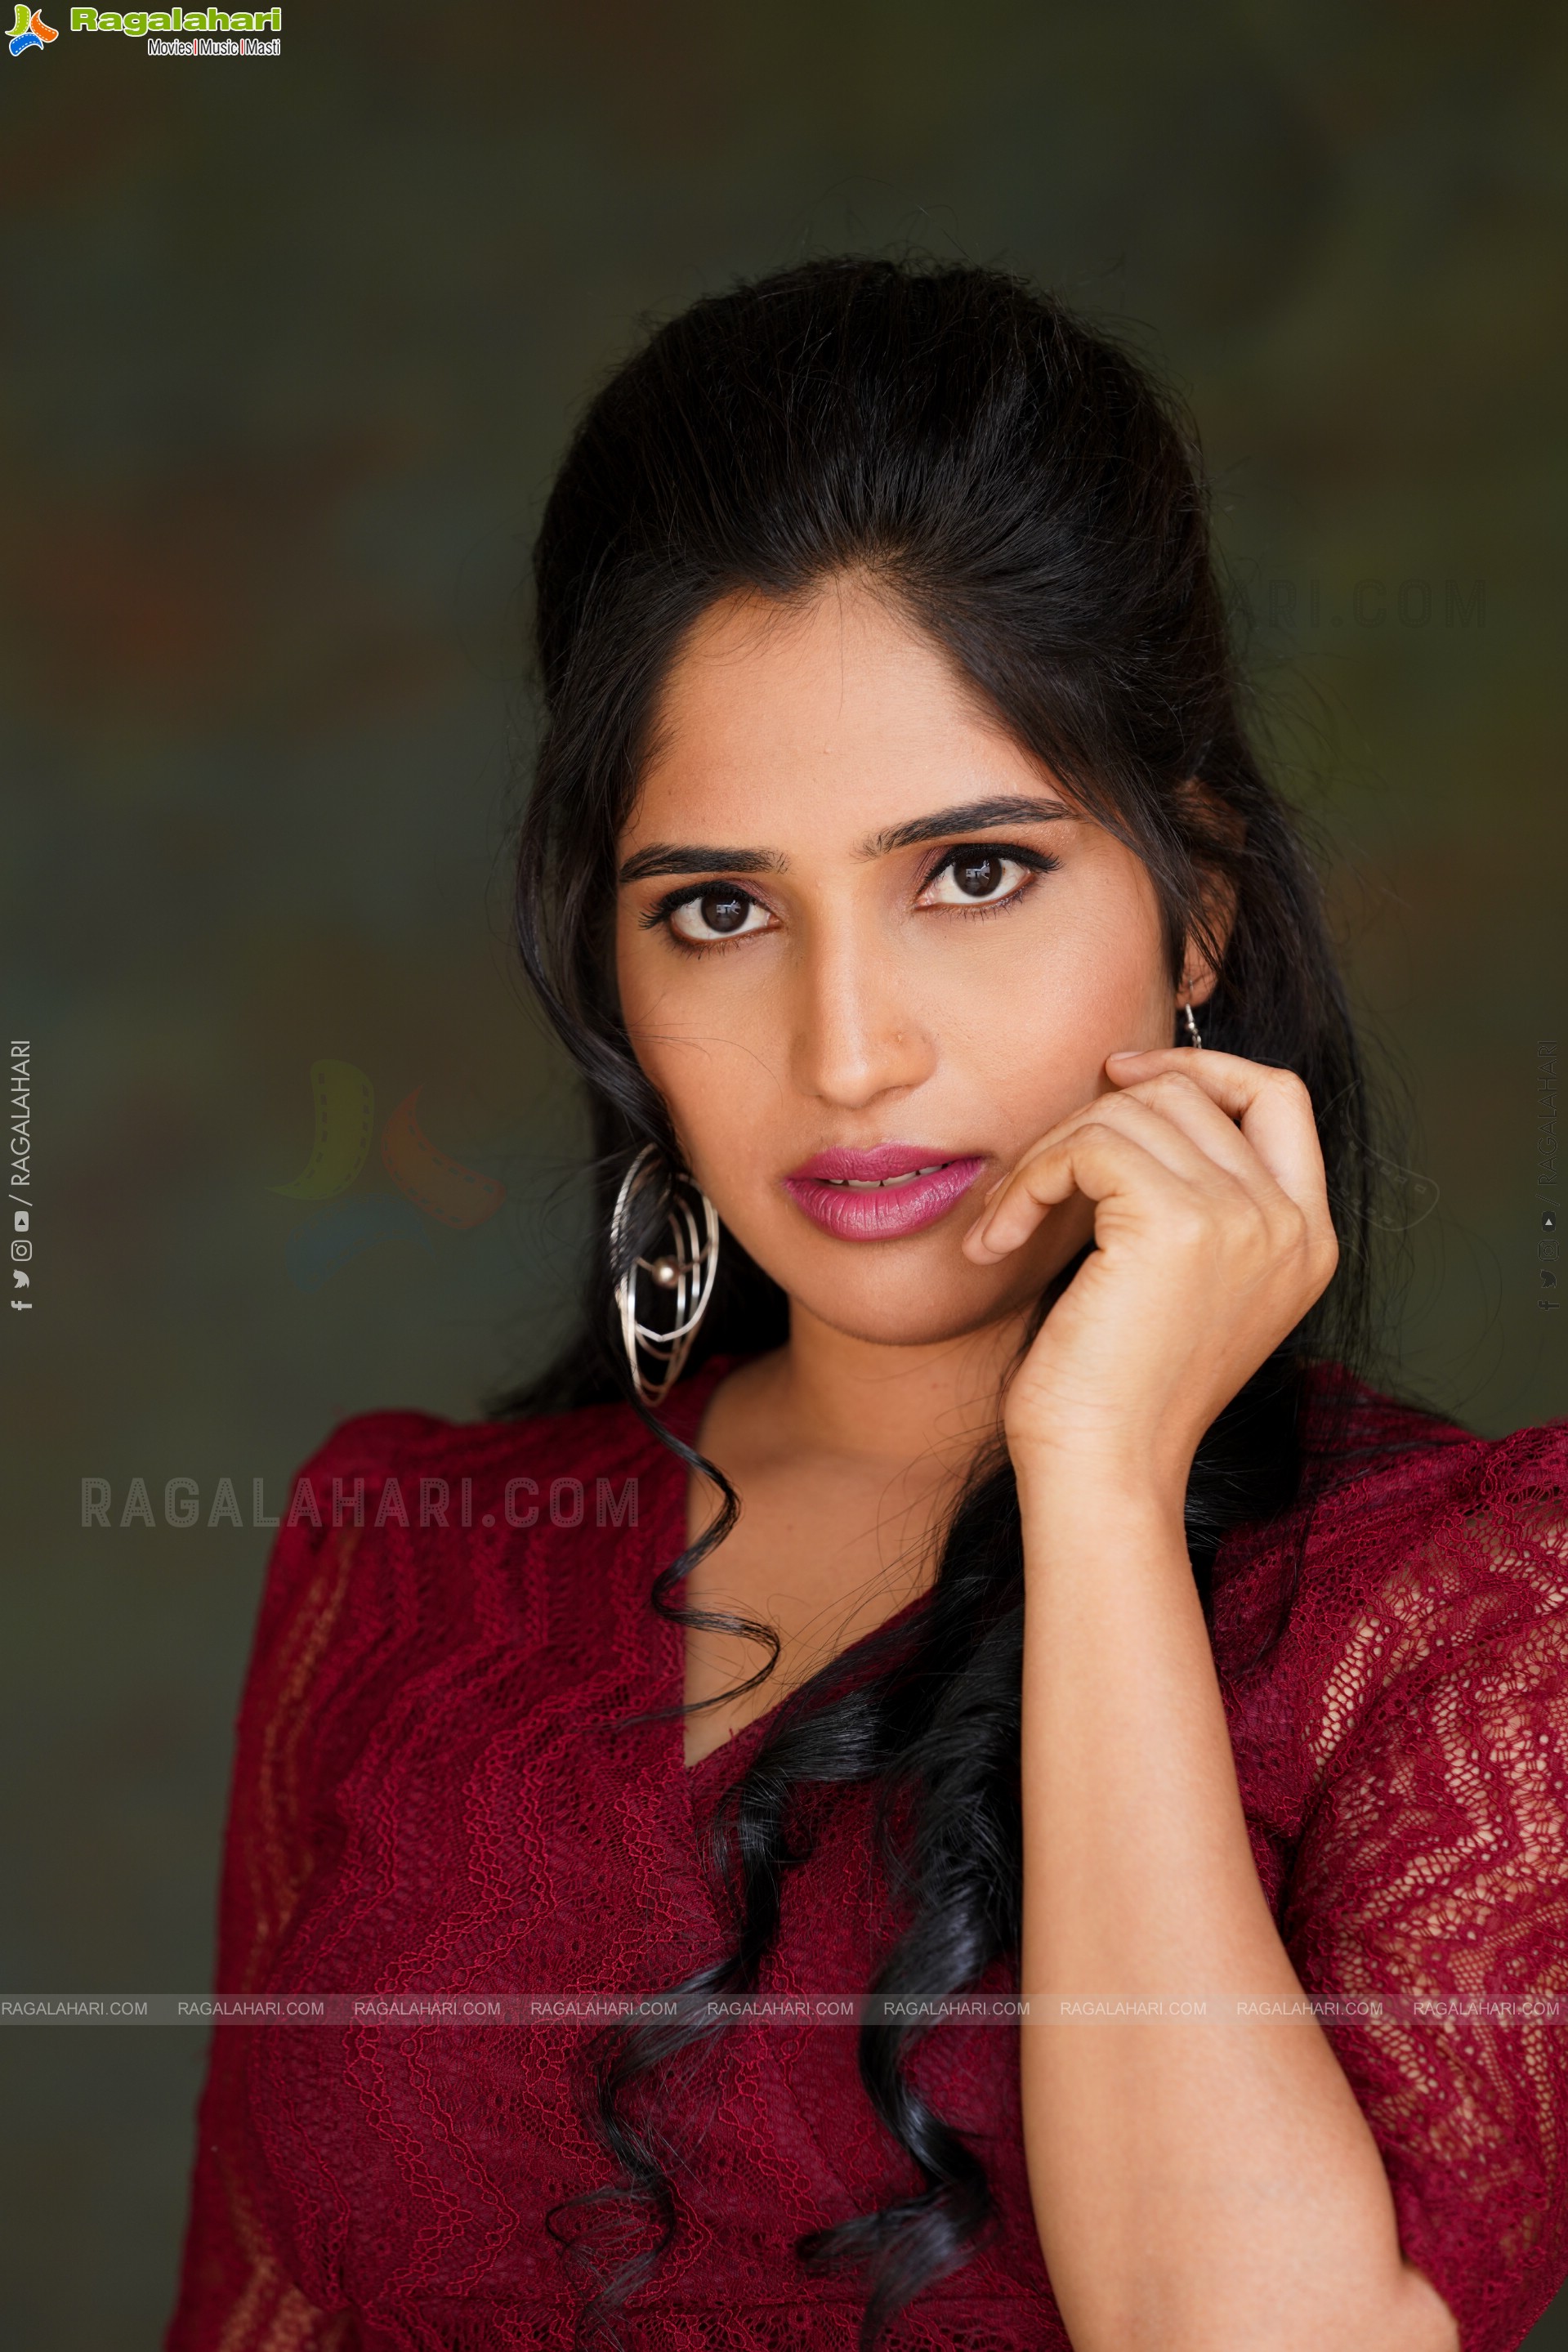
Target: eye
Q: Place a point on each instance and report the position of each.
(719, 911)
(978, 873)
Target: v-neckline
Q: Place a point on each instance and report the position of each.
(683, 1413)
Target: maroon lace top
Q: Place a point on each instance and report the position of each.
(429, 1798)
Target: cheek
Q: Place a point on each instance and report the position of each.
(706, 1057)
(1077, 977)
(631, 969)
(1109, 973)
(659, 995)
(1023, 1031)
(637, 994)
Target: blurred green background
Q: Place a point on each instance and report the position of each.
(291, 348)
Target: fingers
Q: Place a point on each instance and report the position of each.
(1182, 1118)
(1186, 1129)
(1272, 1106)
(1096, 1157)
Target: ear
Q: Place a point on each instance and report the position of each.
(1212, 829)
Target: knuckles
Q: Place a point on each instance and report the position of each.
(1166, 1082)
(1292, 1087)
(1247, 1239)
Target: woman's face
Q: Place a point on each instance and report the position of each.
(862, 933)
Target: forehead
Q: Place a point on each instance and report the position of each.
(836, 712)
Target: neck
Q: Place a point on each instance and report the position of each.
(827, 1392)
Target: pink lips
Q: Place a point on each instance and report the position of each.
(875, 1196)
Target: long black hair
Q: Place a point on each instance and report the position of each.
(1017, 483)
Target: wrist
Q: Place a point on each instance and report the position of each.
(1059, 1482)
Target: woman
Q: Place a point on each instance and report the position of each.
(999, 1579)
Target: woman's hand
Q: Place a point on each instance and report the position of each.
(1213, 1238)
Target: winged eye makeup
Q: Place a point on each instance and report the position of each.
(1032, 863)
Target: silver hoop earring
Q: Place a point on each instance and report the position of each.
(685, 1276)
(1192, 1036)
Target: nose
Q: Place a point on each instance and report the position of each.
(857, 1033)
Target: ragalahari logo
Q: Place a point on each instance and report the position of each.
(429, 1180)
(30, 32)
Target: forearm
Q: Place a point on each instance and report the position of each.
(1203, 2182)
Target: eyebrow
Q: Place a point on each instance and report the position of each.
(967, 816)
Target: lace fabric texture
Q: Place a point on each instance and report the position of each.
(432, 1796)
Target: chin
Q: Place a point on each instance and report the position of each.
(917, 1293)
(917, 1327)
(910, 1307)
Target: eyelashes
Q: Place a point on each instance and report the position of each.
(728, 910)
(725, 899)
(971, 861)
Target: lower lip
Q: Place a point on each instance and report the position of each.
(887, 1211)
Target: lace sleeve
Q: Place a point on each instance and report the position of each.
(235, 2293)
(1433, 1876)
